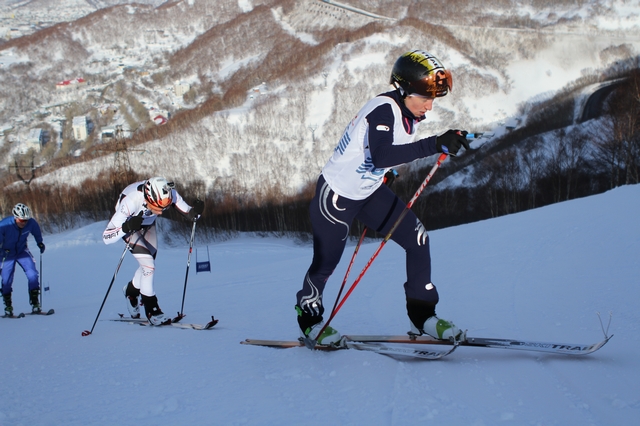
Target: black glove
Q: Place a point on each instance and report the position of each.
(450, 141)
(390, 176)
(41, 247)
(133, 224)
(196, 210)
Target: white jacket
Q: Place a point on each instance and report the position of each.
(130, 203)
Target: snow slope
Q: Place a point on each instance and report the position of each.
(540, 275)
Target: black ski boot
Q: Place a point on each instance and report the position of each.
(310, 326)
(153, 312)
(419, 311)
(8, 308)
(423, 320)
(34, 300)
(131, 293)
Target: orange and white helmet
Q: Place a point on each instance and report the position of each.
(421, 73)
(157, 192)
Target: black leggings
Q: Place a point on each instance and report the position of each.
(331, 217)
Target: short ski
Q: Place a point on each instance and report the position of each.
(49, 312)
(378, 347)
(144, 322)
(20, 315)
(206, 326)
(483, 342)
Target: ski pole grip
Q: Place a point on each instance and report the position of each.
(389, 177)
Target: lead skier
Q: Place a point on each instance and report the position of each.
(134, 221)
(379, 137)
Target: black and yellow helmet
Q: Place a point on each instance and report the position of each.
(421, 73)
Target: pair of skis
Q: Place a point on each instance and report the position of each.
(175, 322)
(426, 347)
(377, 346)
(22, 314)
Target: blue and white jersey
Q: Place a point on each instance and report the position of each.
(378, 138)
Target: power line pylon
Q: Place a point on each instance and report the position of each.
(121, 164)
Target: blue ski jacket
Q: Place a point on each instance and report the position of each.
(13, 240)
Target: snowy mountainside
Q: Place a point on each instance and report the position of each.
(24, 17)
(304, 85)
(30, 6)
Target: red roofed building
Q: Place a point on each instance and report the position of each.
(69, 84)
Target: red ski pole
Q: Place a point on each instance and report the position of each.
(389, 177)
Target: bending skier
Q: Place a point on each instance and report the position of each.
(380, 136)
(134, 221)
(14, 231)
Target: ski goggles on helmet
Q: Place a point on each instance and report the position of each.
(434, 85)
(160, 204)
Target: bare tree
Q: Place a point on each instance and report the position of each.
(575, 148)
(623, 109)
(533, 164)
(607, 154)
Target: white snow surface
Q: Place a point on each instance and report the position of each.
(541, 275)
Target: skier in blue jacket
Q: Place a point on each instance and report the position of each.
(14, 231)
